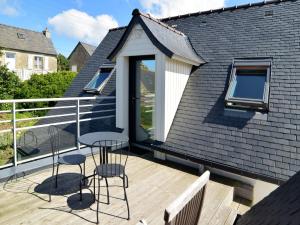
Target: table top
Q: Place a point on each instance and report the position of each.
(89, 139)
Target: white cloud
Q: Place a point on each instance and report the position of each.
(9, 8)
(166, 8)
(80, 25)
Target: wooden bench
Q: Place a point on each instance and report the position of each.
(186, 209)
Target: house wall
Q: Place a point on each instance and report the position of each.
(176, 77)
(2, 60)
(24, 63)
(52, 63)
(78, 58)
(21, 60)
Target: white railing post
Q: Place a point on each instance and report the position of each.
(15, 134)
(78, 123)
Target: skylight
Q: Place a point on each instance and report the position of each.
(99, 80)
(21, 35)
(249, 84)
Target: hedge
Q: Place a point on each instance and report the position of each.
(51, 85)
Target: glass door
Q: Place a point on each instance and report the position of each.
(143, 99)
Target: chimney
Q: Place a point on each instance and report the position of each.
(47, 33)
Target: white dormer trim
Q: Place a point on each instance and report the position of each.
(171, 78)
(185, 60)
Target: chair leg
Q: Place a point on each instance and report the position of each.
(51, 183)
(127, 183)
(107, 190)
(56, 175)
(94, 187)
(80, 182)
(126, 199)
(84, 169)
(98, 201)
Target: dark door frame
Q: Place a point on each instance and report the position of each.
(132, 93)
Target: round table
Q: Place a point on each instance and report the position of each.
(94, 139)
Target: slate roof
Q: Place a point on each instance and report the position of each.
(265, 147)
(33, 41)
(89, 48)
(169, 40)
(280, 207)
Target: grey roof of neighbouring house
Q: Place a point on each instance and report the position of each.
(169, 40)
(281, 207)
(89, 48)
(266, 146)
(33, 41)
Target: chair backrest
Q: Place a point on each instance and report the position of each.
(54, 137)
(186, 209)
(110, 152)
(28, 139)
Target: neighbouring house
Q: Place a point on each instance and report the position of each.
(27, 52)
(79, 56)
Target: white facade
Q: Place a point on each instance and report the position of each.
(27, 66)
(171, 77)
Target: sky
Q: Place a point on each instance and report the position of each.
(70, 21)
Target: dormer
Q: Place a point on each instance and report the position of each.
(153, 64)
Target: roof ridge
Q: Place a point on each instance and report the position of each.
(161, 23)
(261, 3)
(21, 28)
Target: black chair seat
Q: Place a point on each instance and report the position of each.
(110, 170)
(74, 159)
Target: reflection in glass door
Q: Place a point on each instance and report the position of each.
(144, 99)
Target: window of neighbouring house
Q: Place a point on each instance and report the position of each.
(249, 84)
(100, 79)
(10, 60)
(38, 62)
(74, 68)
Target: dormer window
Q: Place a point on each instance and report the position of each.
(21, 35)
(100, 79)
(249, 85)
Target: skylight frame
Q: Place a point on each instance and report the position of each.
(102, 85)
(249, 103)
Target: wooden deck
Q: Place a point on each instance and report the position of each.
(152, 187)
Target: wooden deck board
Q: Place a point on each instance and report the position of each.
(152, 187)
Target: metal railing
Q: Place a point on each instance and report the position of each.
(78, 104)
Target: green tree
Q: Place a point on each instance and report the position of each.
(62, 63)
(10, 85)
(1, 51)
(51, 85)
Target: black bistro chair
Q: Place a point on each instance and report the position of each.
(74, 159)
(112, 157)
